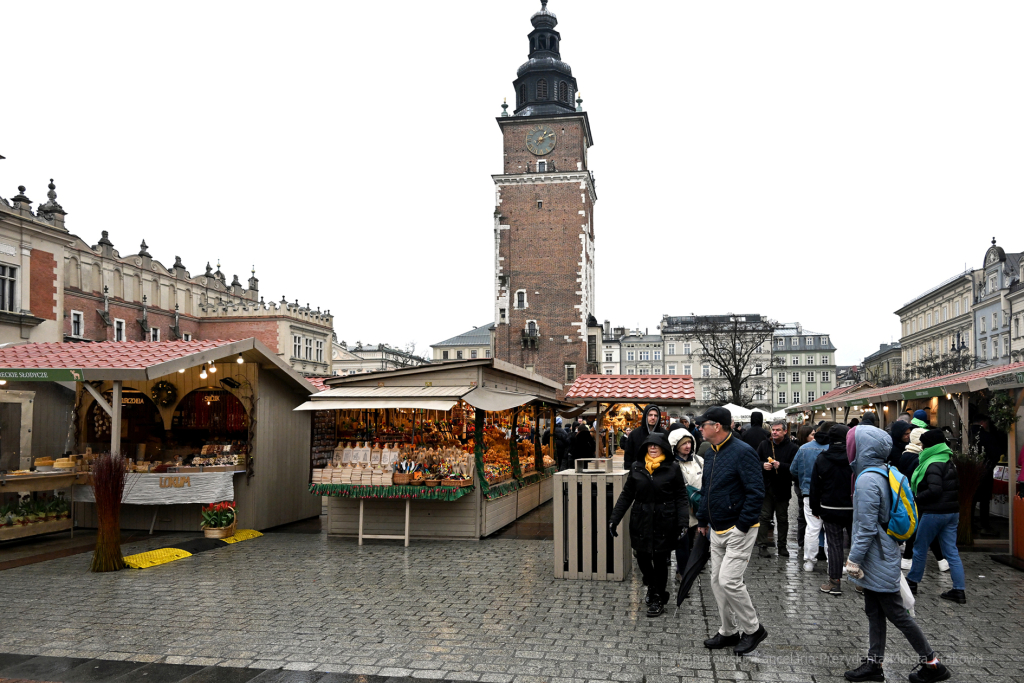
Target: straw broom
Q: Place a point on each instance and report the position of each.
(108, 480)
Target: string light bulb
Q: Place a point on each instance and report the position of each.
(181, 371)
(240, 360)
(202, 373)
(213, 368)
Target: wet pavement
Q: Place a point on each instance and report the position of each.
(300, 606)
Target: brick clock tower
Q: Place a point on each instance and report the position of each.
(544, 220)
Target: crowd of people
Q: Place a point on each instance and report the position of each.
(852, 482)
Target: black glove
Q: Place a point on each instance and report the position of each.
(612, 531)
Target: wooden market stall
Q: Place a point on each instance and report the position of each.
(620, 399)
(466, 414)
(201, 421)
(950, 401)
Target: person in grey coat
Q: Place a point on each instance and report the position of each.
(874, 561)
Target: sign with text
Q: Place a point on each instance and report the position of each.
(924, 393)
(170, 489)
(41, 375)
(1008, 381)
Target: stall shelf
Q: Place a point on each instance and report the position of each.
(477, 389)
(245, 409)
(31, 483)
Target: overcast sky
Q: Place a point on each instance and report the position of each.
(814, 161)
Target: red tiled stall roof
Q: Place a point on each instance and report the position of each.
(138, 360)
(318, 382)
(675, 389)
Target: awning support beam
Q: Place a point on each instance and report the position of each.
(115, 419)
(99, 398)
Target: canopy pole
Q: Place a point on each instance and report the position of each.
(115, 419)
(1012, 458)
(965, 429)
(597, 429)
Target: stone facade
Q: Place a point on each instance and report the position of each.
(937, 321)
(470, 345)
(992, 309)
(885, 366)
(371, 358)
(804, 365)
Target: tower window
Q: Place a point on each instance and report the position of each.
(542, 89)
(563, 91)
(521, 299)
(522, 94)
(542, 167)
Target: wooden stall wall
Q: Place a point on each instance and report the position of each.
(281, 450)
(435, 520)
(51, 417)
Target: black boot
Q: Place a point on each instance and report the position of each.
(783, 551)
(656, 607)
(957, 596)
(869, 670)
(762, 551)
(925, 673)
(718, 641)
(913, 586)
(821, 556)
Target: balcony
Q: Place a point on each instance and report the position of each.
(530, 338)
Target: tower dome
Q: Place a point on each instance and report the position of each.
(544, 84)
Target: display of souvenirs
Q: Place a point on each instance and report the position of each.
(232, 454)
(325, 438)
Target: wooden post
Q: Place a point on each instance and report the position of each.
(965, 429)
(478, 447)
(597, 435)
(115, 418)
(1012, 458)
(513, 447)
(539, 465)
(536, 435)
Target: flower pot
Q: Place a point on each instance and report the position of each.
(220, 532)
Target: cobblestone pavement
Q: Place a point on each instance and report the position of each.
(486, 611)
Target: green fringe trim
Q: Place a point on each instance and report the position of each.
(444, 493)
(505, 488)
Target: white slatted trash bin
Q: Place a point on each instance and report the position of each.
(583, 501)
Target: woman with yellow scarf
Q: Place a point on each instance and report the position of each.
(656, 491)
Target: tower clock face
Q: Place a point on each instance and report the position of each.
(540, 140)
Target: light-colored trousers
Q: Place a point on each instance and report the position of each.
(811, 533)
(730, 553)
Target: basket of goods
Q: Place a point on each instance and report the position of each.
(431, 482)
(219, 520)
(457, 483)
(401, 478)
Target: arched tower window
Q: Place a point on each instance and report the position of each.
(563, 91)
(522, 94)
(542, 89)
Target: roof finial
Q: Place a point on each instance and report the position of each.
(504, 107)
(143, 249)
(993, 241)
(579, 102)
(543, 5)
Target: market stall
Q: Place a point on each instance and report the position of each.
(431, 452)
(200, 422)
(620, 399)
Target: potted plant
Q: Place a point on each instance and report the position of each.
(63, 509)
(219, 520)
(970, 467)
(7, 515)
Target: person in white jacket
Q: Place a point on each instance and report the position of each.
(692, 465)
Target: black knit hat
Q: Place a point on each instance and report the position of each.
(932, 437)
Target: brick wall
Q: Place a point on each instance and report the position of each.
(43, 284)
(265, 330)
(570, 144)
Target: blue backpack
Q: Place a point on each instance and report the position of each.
(903, 513)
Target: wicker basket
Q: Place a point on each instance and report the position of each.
(401, 478)
(457, 483)
(415, 482)
(432, 482)
(220, 532)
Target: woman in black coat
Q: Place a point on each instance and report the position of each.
(656, 490)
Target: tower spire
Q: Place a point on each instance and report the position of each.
(544, 85)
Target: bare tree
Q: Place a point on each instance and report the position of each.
(740, 349)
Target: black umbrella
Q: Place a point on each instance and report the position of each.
(699, 556)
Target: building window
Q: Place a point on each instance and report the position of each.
(810, 360)
(705, 393)
(8, 277)
(645, 371)
(795, 360)
(645, 355)
(796, 397)
(458, 355)
(671, 349)
(563, 91)
(913, 326)
(186, 337)
(657, 354)
(809, 341)
(607, 356)
(782, 398)
(522, 94)
(781, 378)
(995, 321)
(76, 324)
(967, 303)
(154, 334)
(118, 329)
(705, 370)
(796, 378)
(956, 307)
(928, 319)
(995, 348)
(810, 376)
(570, 373)
(542, 89)
(810, 395)
(444, 355)
(630, 371)
(319, 351)
(824, 360)
(521, 299)
(688, 370)
(758, 368)
(671, 369)
(487, 353)
(1006, 346)
(945, 312)
(991, 283)
(686, 348)
(296, 346)
(780, 342)
(657, 370)
(824, 341)
(607, 371)
(983, 327)
(309, 348)
(630, 355)
(542, 167)
(472, 353)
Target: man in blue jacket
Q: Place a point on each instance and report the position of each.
(732, 492)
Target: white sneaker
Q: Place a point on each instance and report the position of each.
(845, 570)
(907, 564)
(808, 565)
(943, 565)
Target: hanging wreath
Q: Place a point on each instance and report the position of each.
(164, 393)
